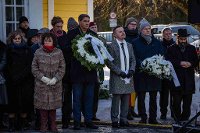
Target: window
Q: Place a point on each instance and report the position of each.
(12, 11)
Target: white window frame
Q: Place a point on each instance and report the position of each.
(15, 21)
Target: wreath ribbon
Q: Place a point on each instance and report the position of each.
(96, 43)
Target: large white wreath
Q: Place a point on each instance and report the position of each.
(95, 59)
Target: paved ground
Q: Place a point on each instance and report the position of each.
(104, 114)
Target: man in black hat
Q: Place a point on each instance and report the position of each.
(184, 59)
(24, 25)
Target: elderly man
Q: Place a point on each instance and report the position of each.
(166, 84)
(146, 46)
(184, 58)
(121, 71)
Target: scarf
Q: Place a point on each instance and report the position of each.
(59, 33)
(18, 46)
(122, 61)
(48, 49)
(148, 38)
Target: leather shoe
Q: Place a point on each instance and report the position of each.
(91, 125)
(115, 125)
(124, 124)
(77, 126)
(143, 121)
(153, 121)
(95, 119)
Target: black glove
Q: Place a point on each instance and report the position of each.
(130, 73)
(123, 75)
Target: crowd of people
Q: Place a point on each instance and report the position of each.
(39, 74)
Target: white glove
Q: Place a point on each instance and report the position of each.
(45, 80)
(52, 81)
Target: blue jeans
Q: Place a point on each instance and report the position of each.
(83, 92)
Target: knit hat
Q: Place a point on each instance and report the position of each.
(143, 23)
(43, 30)
(92, 24)
(22, 19)
(71, 24)
(129, 20)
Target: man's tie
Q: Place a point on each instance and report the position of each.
(122, 46)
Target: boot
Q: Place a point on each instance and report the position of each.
(24, 124)
(11, 127)
(129, 116)
(43, 120)
(52, 116)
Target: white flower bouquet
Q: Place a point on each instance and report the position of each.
(157, 66)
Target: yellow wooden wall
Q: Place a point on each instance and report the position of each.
(69, 8)
(65, 9)
(45, 13)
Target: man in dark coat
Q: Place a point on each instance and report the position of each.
(184, 58)
(24, 26)
(61, 35)
(131, 31)
(166, 84)
(83, 81)
(144, 47)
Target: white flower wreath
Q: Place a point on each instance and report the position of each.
(95, 60)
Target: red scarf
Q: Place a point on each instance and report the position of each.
(48, 49)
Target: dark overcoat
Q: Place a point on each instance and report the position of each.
(78, 72)
(143, 50)
(185, 75)
(19, 78)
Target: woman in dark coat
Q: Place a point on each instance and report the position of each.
(19, 79)
(3, 90)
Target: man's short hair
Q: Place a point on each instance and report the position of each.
(55, 20)
(82, 16)
(114, 29)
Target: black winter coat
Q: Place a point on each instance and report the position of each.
(63, 45)
(185, 75)
(19, 79)
(143, 81)
(79, 73)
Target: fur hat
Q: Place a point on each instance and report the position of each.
(71, 24)
(129, 20)
(22, 19)
(143, 23)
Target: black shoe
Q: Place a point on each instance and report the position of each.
(153, 122)
(163, 117)
(133, 112)
(77, 126)
(143, 121)
(91, 125)
(65, 125)
(95, 119)
(129, 116)
(115, 125)
(124, 124)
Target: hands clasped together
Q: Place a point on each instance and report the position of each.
(128, 75)
(185, 64)
(49, 81)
